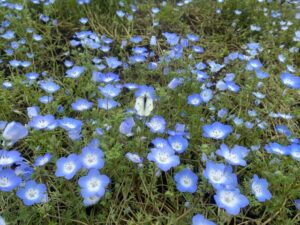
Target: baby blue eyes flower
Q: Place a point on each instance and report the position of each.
(81, 105)
(186, 181)
(113, 62)
(231, 200)
(107, 103)
(164, 158)
(32, 193)
(219, 175)
(8, 180)
(253, 64)
(126, 127)
(206, 95)
(110, 91)
(277, 149)
(157, 124)
(47, 122)
(75, 72)
(43, 160)
(178, 143)
(259, 188)
(194, 99)
(290, 80)
(172, 38)
(134, 157)
(8, 35)
(49, 86)
(67, 167)
(7, 158)
(295, 151)
(216, 131)
(193, 37)
(93, 184)
(92, 157)
(234, 156)
(14, 131)
(136, 39)
(199, 219)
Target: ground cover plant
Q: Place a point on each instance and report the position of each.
(149, 112)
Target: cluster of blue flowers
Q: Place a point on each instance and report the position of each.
(214, 80)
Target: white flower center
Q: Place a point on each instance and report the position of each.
(186, 181)
(4, 182)
(176, 146)
(93, 184)
(163, 157)
(216, 133)
(5, 160)
(257, 188)
(90, 159)
(217, 176)
(32, 194)
(69, 167)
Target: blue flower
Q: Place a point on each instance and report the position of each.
(199, 219)
(8, 180)
(126, 126)
(81, 105)
(7, 158)
(92, 157)
(32, 193)
(216, 130)
(290, 80)
(93, 184)
(193, 37)
(178, 143)
(172, 38)
(220, 175)
(49, 86)
(231, 200)
(194, 99)
(157, 124)
(46, 99)
(43, 122)
(276, 148)
(259, 188)
(110, 91)
(253, 64)
(206, 95)
(43, 160)
(70, 124)
(295, 151)
(67, 167)
(113, 62)
(75, 72)
(186, 181)
(136, 39)
(175, 82)
(234, 156)
(14, 131)
(215, 67)
(107, 103)
(134, 157)
(105, 77)
(261, 75)
(164, 158)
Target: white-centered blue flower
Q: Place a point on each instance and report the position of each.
(259, 188)
(231, 200)
(186, 181)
